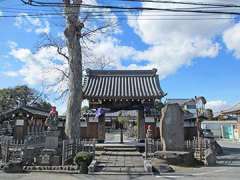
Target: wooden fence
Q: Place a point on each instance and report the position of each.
(72, 147)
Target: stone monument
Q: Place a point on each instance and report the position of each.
(49, 152)
(172, 128)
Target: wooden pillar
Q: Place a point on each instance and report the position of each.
(141, 124)
(101, 129)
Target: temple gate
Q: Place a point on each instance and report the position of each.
(122, 90)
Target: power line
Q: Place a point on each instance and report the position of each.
(108, 13)
(39, 3)
(185, 3)
(90, 6)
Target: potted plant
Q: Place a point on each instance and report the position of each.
(83, 160)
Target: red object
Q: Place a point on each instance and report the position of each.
(53, 110)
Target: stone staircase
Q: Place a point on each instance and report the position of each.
(119, 159)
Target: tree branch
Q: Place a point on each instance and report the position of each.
(95, 30)
(64, 73)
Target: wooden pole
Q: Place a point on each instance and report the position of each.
(198, 132)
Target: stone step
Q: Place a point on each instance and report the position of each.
(120, 149)
(121, 173)
(121, 153)
(106, 164)
(113, 146)
(121, 169)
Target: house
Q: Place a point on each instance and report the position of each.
(233, 113)
(191, 109)
(22, 121)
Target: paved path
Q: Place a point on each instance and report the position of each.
(114, 136)
(119, 159)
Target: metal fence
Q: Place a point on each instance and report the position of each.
(196, 146)
(72, 147)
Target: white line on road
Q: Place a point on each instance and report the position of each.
(189, 175)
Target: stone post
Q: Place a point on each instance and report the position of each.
(141, 123)
(101, 129)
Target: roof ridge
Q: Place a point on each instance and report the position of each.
(91, 72)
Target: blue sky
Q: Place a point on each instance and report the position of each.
(193, 57)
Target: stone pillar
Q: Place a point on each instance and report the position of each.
(49, 153)
(141, 123)
(172, 128)
(101, 129)
(51, 139)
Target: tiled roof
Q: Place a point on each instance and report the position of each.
(32, 110)
(122, 84)
(180, 102)
(234, 109)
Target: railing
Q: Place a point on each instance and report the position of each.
(198, 147)
(152, 146)
(12, 149)
(72, 147)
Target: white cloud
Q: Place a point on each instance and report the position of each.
(217, 105)
(40, 67)
(1, 13)
(10, 73)
(31, 24)
(175, 43)
(45, 29)
(231, 38)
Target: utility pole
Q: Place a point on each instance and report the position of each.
(199, 101)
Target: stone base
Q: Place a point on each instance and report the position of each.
(176, 157)
(13, 167)
(210, 157)
(47, 157)
(147, 166)
(100, 141)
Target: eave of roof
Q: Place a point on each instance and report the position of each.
(234, 110)
(31, 110)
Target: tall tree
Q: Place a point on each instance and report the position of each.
(72, 34)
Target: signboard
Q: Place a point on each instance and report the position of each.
(83, 124)
(108, 119)
(93, 119)
(19, 122)
(149, 119)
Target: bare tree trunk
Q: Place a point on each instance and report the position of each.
(121, 133)
(73, 35)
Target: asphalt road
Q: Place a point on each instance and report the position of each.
(228, 168)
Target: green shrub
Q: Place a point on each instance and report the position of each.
(83, 156)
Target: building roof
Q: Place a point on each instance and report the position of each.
(122, 84)
(232, 110)
(29, 109)
(180, 102)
